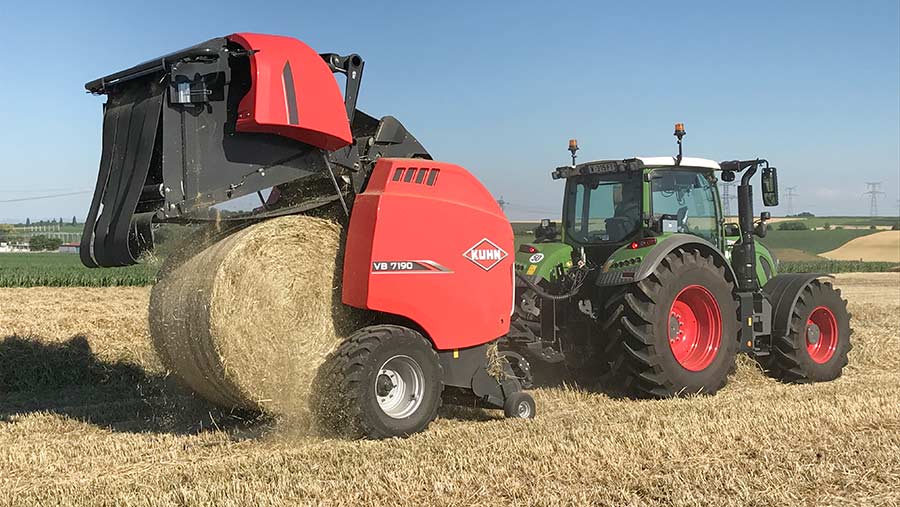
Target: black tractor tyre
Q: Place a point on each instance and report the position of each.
(820, 317)
(637, 358)
(374, 364)
(520, 405)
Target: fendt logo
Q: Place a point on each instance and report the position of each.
(485, 254)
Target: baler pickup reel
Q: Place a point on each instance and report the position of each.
(225, 119)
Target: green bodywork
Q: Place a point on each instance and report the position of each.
(547, 262)
(550, 260)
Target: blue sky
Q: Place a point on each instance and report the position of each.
(500, 87)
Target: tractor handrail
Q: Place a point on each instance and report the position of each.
(740, 165)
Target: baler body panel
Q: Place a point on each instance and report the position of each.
(429, 243)
(292, 93)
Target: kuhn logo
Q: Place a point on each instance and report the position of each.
(485, 254)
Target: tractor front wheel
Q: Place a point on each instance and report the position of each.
(818, 339)
(383, 381)
(674, 332)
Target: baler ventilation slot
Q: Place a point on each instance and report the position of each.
(417, 175)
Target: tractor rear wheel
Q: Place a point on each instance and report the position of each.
(674, 332)
(818, 340)
(383, 381)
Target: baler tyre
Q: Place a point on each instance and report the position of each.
(520, 405)
(818, 340)
(383, 381)
(673, 333)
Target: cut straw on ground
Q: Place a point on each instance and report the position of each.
(106, 427)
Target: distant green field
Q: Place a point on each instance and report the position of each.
(829, 266)
(798, 250)
(853, 221)
(814, 242)
(65, 270)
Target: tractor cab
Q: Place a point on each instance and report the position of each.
(611, 203)
(616, 211)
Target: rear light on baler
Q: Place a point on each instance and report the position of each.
(528, 249)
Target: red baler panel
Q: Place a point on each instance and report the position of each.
(293, 93)
(428, 242)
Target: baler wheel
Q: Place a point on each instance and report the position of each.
(520, 405)
(383, 381)
(673, 333)
(818, 340)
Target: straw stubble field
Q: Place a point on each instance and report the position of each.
(88, 417)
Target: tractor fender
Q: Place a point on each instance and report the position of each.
(659, 252)
(783, 291)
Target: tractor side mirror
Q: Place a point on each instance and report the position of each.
(770, 186)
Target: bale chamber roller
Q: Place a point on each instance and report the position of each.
(365, 284)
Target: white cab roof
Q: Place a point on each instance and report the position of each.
(685, 162)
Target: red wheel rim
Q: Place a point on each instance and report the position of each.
(695, 328)
(821, 334)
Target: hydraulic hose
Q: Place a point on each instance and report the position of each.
(544, 294)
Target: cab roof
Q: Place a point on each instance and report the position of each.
(631, 164)
(685, 162)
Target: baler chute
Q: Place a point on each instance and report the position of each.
(225, 119)
(240, 115)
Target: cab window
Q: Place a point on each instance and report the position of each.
(684, 201)
(604, 208)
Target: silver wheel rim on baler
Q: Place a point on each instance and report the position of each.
(523, 410)
(399, 386)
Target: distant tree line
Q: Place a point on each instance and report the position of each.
(41, 243)
(59, 221)
(792, 226)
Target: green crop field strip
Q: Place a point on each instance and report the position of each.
(65, 270)
(850, 221)
(814, 242)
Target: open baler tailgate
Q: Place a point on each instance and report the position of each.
(214, 122)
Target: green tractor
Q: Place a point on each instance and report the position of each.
(646, 289)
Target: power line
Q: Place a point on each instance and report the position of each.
(873, 193)
(33, 190)
(727, 196)
(790, 197)
(51, 196)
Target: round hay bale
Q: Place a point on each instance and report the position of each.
(247, 321)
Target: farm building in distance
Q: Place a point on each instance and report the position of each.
(14, 246)
(70, 248)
